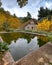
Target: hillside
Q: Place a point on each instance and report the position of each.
(8, 21)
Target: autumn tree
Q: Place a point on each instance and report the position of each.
(6, 26)
(14, 22)
(45, 24)
(8, 21)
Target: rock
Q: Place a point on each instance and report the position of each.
(7, 59)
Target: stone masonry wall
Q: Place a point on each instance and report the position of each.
(43, 56)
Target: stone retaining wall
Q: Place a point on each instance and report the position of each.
(43, 56)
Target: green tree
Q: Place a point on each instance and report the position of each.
(22, 3)
(44, 12)
(14, 15)
(51, 12)
(28, 17)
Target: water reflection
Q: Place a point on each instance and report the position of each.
(21, 47)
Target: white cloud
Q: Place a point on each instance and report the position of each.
(32, 7)
(9, 3)
(12, 6)
(48, 5)
(20, 12)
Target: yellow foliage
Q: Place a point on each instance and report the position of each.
(43, 38)
(44, 25)
(2, 18)
(14, 22)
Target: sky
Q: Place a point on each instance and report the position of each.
(33, 6)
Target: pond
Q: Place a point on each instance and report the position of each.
(22, 43)
(21, 47)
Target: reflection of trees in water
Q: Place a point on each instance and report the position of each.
(8, 37)
(42, 40)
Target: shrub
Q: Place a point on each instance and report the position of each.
(3, 47)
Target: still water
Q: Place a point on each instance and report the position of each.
(22, 43)
(21, 47)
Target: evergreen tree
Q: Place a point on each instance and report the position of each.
(44, 12)
(28, 17)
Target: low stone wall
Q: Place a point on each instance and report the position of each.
(43, 56)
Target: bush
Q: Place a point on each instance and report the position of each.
(3, 47)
